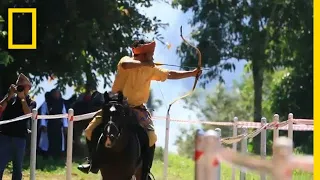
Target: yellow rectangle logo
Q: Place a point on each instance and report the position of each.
(33, 44)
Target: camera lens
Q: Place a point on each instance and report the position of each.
(20, 88)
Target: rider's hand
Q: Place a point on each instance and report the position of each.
(196, 72)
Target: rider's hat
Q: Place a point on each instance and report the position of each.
(145, 48)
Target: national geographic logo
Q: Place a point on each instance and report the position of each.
(33, 12)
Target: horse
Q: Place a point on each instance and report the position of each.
(120, 142)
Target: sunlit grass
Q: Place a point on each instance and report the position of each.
(180, 168)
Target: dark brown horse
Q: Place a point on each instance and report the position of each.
(119, 149)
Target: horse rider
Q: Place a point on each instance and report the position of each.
(133, 79)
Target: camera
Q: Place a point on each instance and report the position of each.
(20, 88)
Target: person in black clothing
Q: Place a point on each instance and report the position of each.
(13, 135)
(56, 128)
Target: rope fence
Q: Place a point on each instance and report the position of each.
(209, 153)
(290, 125)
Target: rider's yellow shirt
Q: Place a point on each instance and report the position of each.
(135, 83)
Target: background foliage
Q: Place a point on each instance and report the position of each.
(77, 40)
(268, 34)
(80, 40)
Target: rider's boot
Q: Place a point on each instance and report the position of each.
(94, 168)
(85, 167)
(88, 166)
(150, 161)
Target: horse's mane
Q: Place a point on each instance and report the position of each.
(116, 100)
(109, 96)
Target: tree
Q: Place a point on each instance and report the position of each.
(223, 104)
(77, 40)
(294, 92)
(185, 142)
(236, 30)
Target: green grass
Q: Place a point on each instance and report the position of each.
(180, 168)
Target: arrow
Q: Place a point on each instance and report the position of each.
(162, 64)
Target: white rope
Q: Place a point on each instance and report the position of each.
(305, 163)
(20, 118)
(299, 126)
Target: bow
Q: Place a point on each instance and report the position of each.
(196, 78)
(165, 154)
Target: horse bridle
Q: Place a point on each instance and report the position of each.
(106, 130)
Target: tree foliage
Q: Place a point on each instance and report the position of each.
(76, 40)
(185, 142)
(295, 91)
(258, 31)
(222, 104)
(294, 94)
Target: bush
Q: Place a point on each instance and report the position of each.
(158, 154)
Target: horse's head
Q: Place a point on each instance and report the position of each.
(114, 113)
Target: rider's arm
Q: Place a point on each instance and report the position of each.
(131, 64)
(159, 74)
(180, 74)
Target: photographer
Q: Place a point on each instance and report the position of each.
(13, 135)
